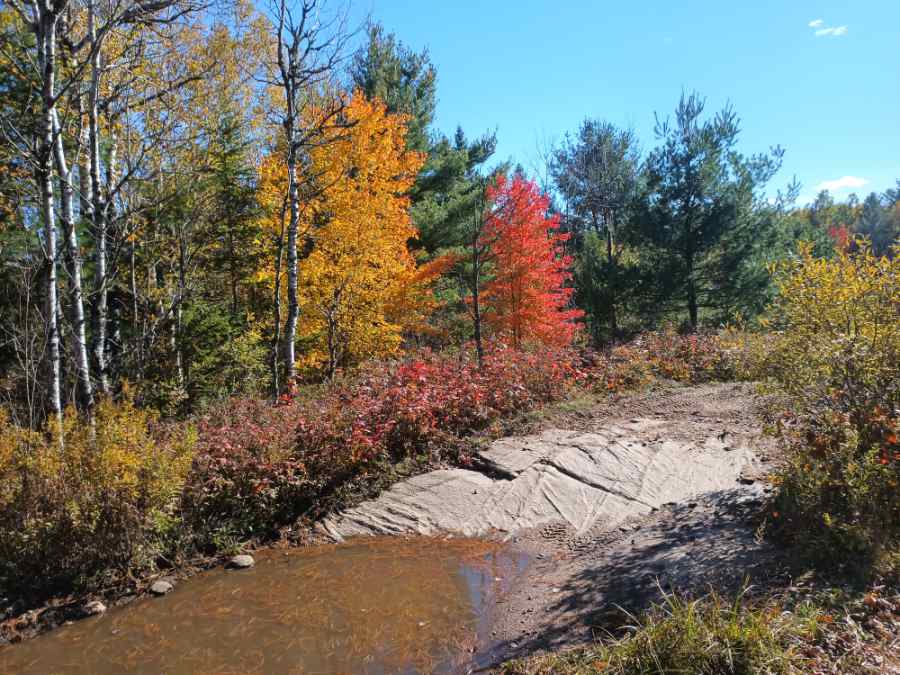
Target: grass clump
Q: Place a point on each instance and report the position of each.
(707, 636)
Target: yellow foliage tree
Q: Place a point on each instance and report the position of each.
(360, 288)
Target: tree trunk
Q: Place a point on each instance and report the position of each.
(691, 292)
(73, 255)
(114, 337)
(290, 330)
(180, 369)
(613, 318)
(98, 217)
(50, 246)
(135, 322)
(276, 336)
(332, 344)
(232, 268)
(692, 303)
(85, 197)
(476, 283)
(46, 35)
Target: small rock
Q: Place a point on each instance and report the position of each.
(746, 480)
(93, 608)
(161, 587)
(241, 562)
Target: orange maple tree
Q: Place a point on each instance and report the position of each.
(528, 298)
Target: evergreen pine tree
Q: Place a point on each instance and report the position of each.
(704, 225)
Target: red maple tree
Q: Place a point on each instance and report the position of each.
(528, 297)
(840, 236)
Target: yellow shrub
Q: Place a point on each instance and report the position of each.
(99, 499)
(834, 346)
(829, 311)
(15, 449)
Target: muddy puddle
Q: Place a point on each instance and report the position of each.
(368, 606)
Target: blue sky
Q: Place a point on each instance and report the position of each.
(821, 78)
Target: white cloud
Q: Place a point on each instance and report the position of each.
(831, 31)
(817, 23)
(842, 183)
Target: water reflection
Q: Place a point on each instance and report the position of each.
(369, 606)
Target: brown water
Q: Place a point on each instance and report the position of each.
(369, 606)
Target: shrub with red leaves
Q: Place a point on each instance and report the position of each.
(665, 354)
(244, 473)
(402, 407)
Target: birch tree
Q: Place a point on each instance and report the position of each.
(43, 17)
(69, 37)
(309, 45)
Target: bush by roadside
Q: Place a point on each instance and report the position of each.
(102, 504)
(834, 348)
